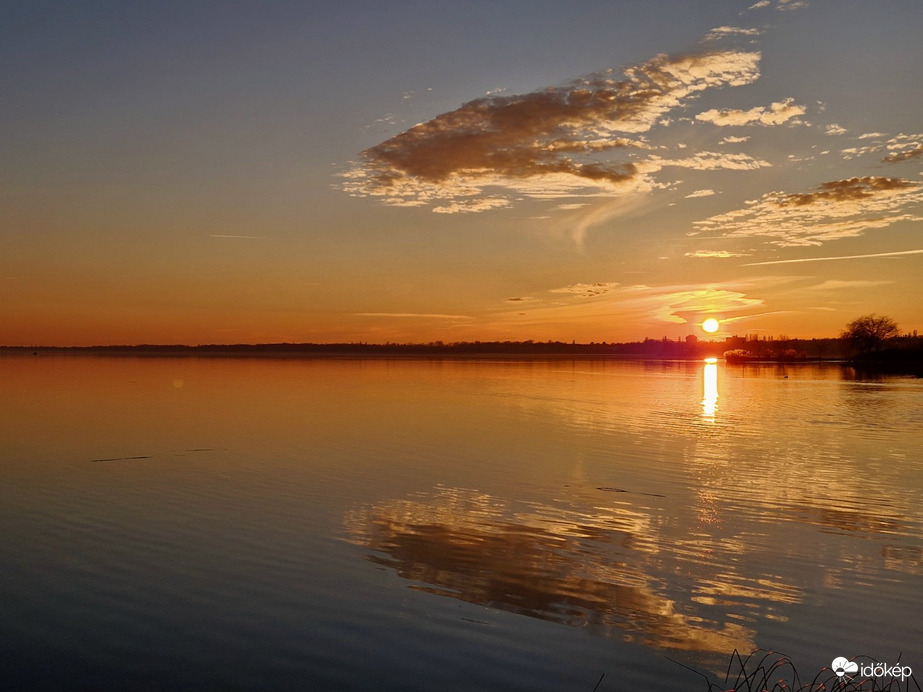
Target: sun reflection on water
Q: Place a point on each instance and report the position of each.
(710, 386)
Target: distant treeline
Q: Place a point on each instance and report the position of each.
(764, 348)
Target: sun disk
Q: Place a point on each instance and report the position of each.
(710, 325)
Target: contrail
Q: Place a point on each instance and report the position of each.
(841, 257)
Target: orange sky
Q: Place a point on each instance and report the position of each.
(612, 172)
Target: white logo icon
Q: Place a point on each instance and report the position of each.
(842, 666)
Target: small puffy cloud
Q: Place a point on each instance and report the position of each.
(774, 114)
(571, 140)
(586, 290)
(834, 129)
(834, 210)
(734, 140)
(853, 152)
(700, 193)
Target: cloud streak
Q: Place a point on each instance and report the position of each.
(424, 315)
(835, 258)
(581, 138)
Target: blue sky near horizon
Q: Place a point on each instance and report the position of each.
(234, 172)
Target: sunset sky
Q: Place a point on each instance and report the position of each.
(229, 172)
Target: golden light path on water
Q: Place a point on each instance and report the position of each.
(710, 387)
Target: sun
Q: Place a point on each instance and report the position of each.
(710, 325)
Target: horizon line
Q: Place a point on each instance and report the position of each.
(428, 344)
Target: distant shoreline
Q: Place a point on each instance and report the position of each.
(472, 351)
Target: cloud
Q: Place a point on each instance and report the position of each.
(896, 157)
(900, 148)
(586, 290)
(837, 209)
(836, 284)
(837, 257)
(469, 205)
(779, 5)
(426, 315)
(577, 139)
(700, 193)
(715, 253)
(684, 304)
(904, 148)
(707, 161)
(721, 32)
(775, 114)
(734, 140)
(834, 129)
(645, 306)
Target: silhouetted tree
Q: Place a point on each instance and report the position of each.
(869, 332)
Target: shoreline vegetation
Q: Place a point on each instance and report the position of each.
(901, 355)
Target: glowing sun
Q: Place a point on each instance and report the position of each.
(710, 325)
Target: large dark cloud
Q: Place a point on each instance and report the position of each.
(552, 142)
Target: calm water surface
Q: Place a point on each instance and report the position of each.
(250, 524)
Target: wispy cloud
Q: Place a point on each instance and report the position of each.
(834, 210)
(721, 32)
(781, 5)
(426, 315)
(722, 254)
(579, 139)
(707, 161)
(836, 257)
(775, 114)
(647, 305)
(839, 284)
(700, 193)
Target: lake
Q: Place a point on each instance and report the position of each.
(388, 524)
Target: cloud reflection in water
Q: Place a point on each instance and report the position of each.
(584, 568)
